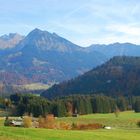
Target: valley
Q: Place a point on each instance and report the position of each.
(69, 70)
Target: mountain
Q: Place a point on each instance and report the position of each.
(118, 76)
(116, 49)
(45, 57)
(45, 41)
(10, 41)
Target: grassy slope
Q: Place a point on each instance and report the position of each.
(35, 86)
(128, 131)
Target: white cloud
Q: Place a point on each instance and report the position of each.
(128, 29)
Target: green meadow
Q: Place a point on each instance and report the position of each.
(126, 120)
(123, 128)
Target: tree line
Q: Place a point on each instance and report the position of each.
(20, 104)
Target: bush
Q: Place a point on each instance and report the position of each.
(87, 126)
(65, 126)
(41, 122)
(47, 122)
(74, 126)
(117, 112)
(27, 121)
(7, 122)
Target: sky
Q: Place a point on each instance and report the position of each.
(83, 22)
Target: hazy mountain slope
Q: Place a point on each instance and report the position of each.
(117, 49)
(45, 57)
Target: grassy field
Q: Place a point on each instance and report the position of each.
(125, 120)
(123, 128)
(33, 86)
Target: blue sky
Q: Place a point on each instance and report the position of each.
(83, 22)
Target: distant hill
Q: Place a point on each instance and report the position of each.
(116, 49)
(118, 76)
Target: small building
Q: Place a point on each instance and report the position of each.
(17, 123)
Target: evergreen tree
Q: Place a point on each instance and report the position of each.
(137, 105)
(121, 103)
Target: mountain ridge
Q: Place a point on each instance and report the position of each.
(46, 57)
(116, 49)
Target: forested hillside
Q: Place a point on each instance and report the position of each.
(118, 76)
